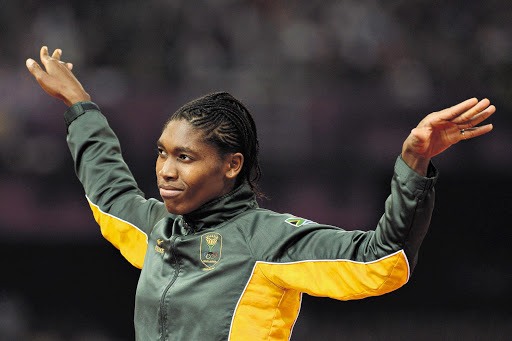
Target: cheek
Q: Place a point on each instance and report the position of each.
(158, 166)
(207, 179)
(195, 180)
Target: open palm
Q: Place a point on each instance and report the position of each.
(439, 130)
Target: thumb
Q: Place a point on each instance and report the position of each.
(421, 134)
(34, 68)
(45, 81)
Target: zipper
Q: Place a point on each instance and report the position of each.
(163, 311)
(189, 228)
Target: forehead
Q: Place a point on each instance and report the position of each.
(181, 134)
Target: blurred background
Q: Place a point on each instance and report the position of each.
(334, 86)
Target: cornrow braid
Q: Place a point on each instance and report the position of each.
(229, 126)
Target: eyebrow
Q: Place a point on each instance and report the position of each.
(177, 149)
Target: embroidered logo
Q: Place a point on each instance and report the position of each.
(158, 248)
(210, 249)
(296, 221)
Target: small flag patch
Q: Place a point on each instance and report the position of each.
(296, 221)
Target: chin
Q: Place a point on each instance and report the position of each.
(177, 210)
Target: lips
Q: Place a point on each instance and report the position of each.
(169, 192)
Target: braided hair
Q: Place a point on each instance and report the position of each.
(228, 125)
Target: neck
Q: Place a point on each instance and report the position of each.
(221, 209)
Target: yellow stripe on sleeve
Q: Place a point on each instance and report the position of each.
(341, 279)
(129, 239)
(270, 303)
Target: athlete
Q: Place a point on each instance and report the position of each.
(215, 266)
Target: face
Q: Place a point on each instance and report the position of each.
(190, 172)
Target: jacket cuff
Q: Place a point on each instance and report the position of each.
(415, 182)
(78, 109)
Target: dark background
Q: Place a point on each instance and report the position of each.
(334, 86)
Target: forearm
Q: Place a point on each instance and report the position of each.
(408, 211)
(97, 154)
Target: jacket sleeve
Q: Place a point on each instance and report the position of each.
(126, 218)
(324, 260)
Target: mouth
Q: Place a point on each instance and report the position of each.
(169, 192)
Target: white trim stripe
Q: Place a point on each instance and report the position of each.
(296, 317)
(240, 299)
(345, 260)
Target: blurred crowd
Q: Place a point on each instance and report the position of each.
(334, 86)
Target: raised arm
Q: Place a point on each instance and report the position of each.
(326, 261)
(126, 218)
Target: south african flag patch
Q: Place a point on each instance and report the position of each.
(296, 221)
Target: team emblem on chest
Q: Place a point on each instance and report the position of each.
(210, 249)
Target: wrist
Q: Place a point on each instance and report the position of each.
(78, 109)
(81, 97)
(416, 162)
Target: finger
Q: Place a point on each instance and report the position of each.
(69, 66)
(466, 116)
(45, 58)
(466, 134)
(43, 53)
(454, 111)
(480, 117)
(57, 54)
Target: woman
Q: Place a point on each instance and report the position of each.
(215, 266)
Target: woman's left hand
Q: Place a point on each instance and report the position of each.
(57, 78)
(439, 130)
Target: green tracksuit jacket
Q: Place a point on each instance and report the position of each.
(231, 270)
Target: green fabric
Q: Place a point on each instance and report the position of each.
(184, 295)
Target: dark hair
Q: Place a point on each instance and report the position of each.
(228, 125)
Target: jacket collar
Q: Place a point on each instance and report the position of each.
(220, 210)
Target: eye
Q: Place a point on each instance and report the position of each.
(161, 152)
(184, 157)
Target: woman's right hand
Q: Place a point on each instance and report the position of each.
(57, 80)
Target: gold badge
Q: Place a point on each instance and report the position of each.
(210, 249)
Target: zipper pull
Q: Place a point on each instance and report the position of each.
(188, 228)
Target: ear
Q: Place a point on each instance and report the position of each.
(235, 163)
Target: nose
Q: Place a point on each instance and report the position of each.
(168, 169)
